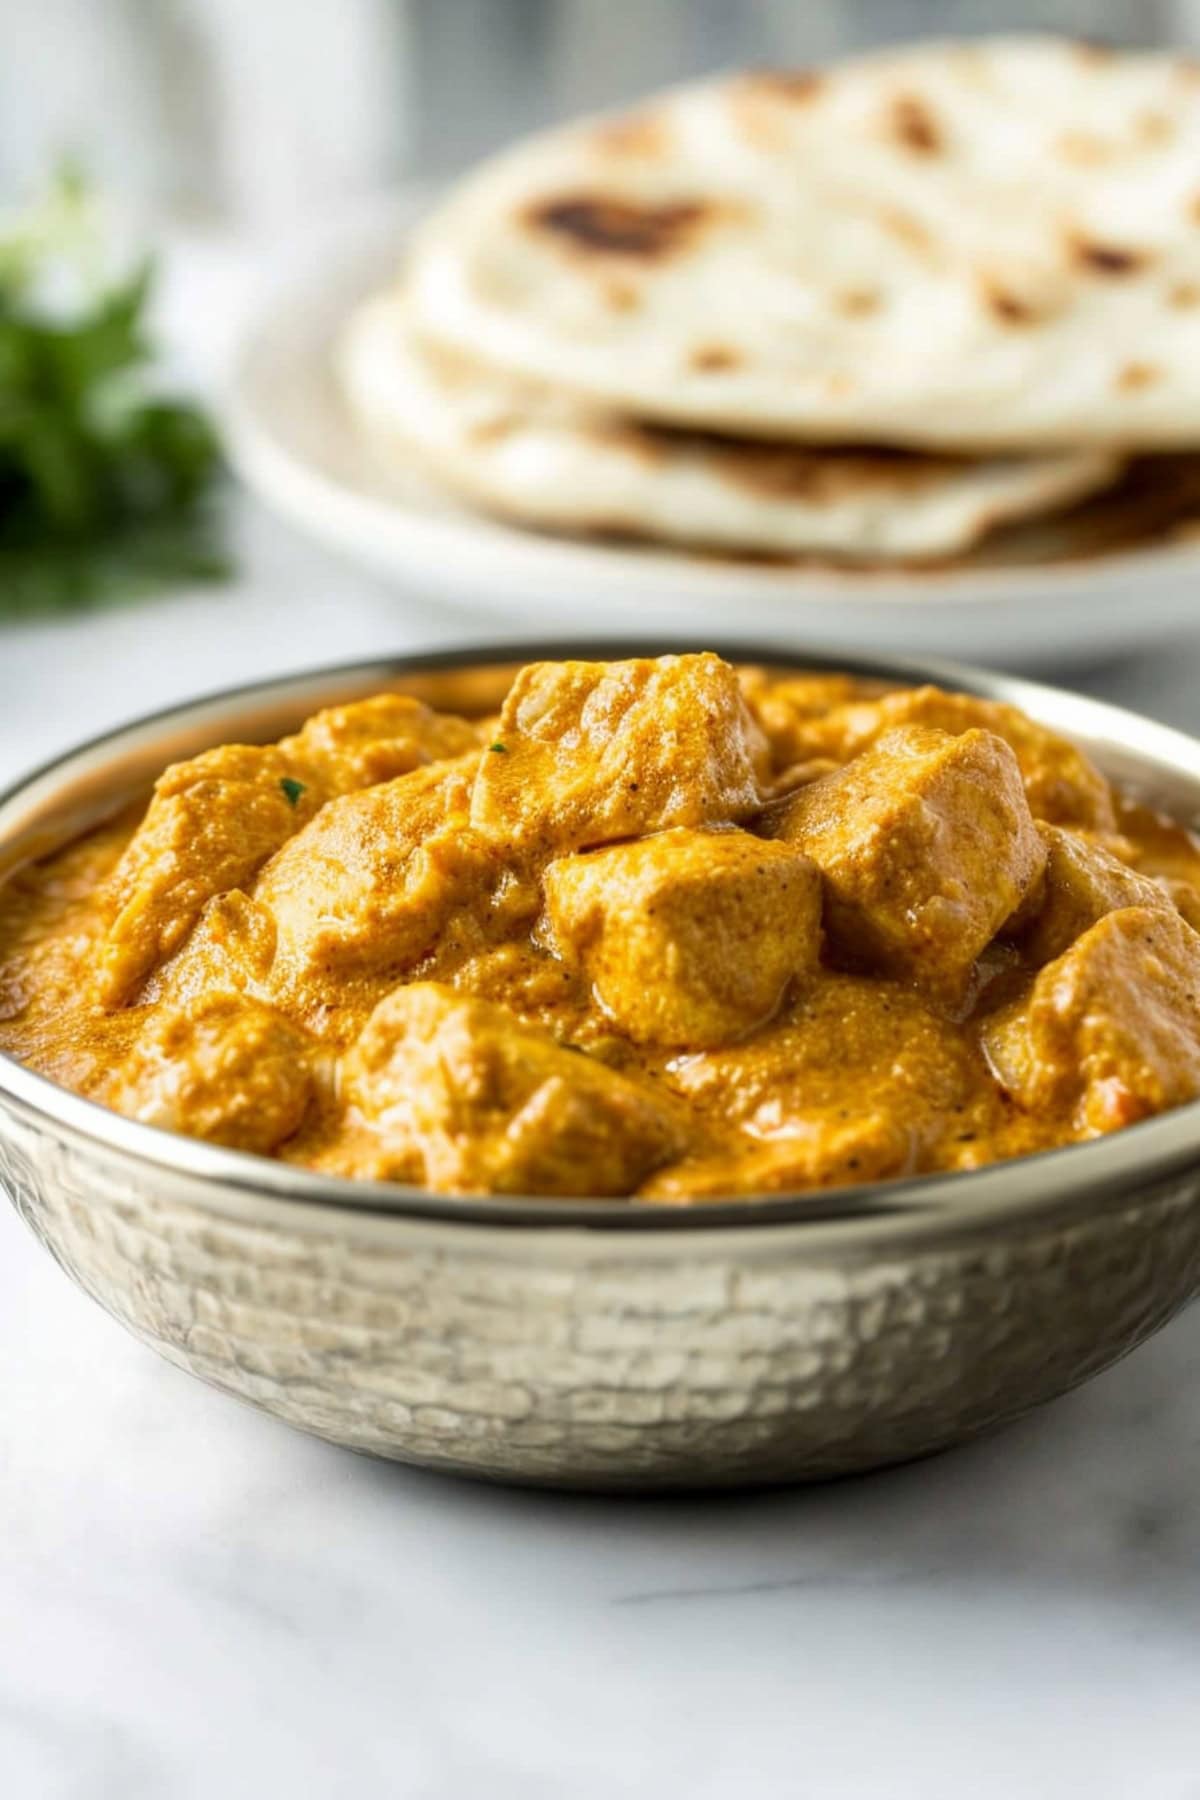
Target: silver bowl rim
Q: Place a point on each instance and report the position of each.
(1076, 1180)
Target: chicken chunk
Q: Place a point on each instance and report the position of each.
(229, 951)
(689, 937)
(1083, 881)
(232, 1071)
(1111, 1028)
(369, 884)
(926, 845)
(214, 821)
(211, 824)
(462, 1098)
(369, 741)
(786, 706)
(1063, 787)
(587, 753)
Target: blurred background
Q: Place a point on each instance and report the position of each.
(231, 140)
(254, 112)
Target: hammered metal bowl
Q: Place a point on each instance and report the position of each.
(600, 1344)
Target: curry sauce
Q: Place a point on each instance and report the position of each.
(661, 928)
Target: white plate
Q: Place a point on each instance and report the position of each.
(293, 441)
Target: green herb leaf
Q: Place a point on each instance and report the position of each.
(106, 489)
(500, 749)
(292, 789)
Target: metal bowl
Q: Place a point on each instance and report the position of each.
(599, 1344)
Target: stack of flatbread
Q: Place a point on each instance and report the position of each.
(870, 313)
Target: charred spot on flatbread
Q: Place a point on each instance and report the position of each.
(621, 296)
(1134, 376)
(454, 369)
(915, 126)
(796, 86)
(1115, 260)
(1154, 128)
(906, 229)
(493, 431)
(597, 224)
(763, 104)
(1009, 307)
(858, 302)
(643, 134)
(713, 359)
(1083, 148)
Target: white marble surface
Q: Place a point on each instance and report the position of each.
(196, 1602)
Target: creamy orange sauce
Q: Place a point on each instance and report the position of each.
(655, 929)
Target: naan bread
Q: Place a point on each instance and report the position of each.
(979, 245)
(526, 453)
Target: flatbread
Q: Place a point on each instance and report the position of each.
(524, 452)
(975, 245)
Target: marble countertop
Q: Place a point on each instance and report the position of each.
(195, 1601)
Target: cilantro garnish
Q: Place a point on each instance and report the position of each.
(292, 789)
(105, 484)
(500, 749)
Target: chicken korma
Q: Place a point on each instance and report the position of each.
(661, 928)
